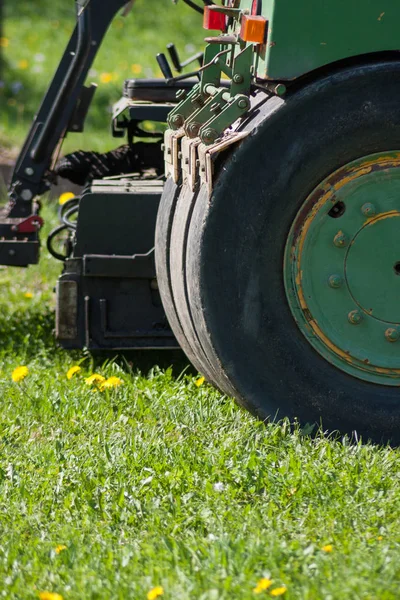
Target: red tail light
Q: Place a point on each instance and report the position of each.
(214, 20)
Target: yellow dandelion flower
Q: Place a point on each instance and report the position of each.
(65, 197)
(72, 371)
(111, 382)
(106, 77)
(4, 42)
(328, 548)
(199, 381)
(379, 538)
(23, 64)
(94, 379)
(28, 295)
(262, 585)
(136, 69)
(279, 591)
(19, 374)
(50, 596)
(155, 592)
(60, 548)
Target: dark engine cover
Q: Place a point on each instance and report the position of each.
(107, 296)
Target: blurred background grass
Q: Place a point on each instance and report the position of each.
(34, 35)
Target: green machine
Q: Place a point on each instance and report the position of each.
(277, 244)
(276, 226)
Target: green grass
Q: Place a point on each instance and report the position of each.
(158, 481)
(34, 37)
(161, 482)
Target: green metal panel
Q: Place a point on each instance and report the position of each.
(305, 35)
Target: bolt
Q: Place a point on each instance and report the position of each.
(177, 121)
(238, 78)
(368, 210)
(209, 136)
(215, 108)
(340, 240)
(392, 335)
(280, 89)
(243, 103)
(11, 252)
(29, 171)
(335, 281)
(355, 317)
(193, 129)
(181, 94)
(26, 195)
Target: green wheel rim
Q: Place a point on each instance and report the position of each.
(342, 268)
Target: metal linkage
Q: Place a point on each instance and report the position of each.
(62, 109)
(211, 107)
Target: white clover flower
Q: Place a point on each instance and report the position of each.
(219, 486)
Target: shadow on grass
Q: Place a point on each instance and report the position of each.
(144, 361)
(30, 333)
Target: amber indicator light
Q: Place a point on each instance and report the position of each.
(254, 29)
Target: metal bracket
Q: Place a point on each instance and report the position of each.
(215, 127)
(188, 161)
(171, 153)
(207, 154)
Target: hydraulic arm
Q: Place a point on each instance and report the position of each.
(63, 109)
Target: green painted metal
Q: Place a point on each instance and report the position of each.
(342, 269)
(304, 36)
(210, 108)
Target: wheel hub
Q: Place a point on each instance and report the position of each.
(342, 268)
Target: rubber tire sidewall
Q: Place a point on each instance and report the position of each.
(238, 239)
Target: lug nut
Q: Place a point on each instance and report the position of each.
(392, 334)
(355, 317)
(335, 281)
(368, 210)
(340, 240)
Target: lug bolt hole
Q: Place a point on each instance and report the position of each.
(337, 210)
(397, 268)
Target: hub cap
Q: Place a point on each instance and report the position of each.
(342, 268)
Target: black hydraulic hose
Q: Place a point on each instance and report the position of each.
(66, 217)
(82, 50)
(194, 6)
(67, 205)
(50, 239)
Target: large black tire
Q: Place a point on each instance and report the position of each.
(172, 222)
(235, 246)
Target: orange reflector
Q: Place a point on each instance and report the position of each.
(253, 29)
(213, 20)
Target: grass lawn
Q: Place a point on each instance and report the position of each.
(160, 482)
(160, 485)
